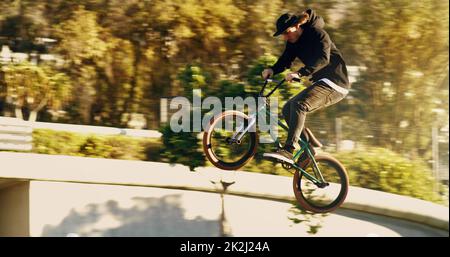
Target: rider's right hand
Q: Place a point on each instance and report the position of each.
(267, 73)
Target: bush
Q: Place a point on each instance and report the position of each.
(95, 147)
(384, 170)
(56, 142)
(153, 151)
(375, 168)
(183, 148)
(114, 147)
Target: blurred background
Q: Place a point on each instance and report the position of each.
(119, 63)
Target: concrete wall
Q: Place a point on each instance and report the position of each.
(86, 129)
(65, 209)
(14, 209)
(76, 209)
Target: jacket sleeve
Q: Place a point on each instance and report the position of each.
(284, 62)
(322, 53)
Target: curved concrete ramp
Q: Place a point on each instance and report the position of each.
(62, 209)
(47, 195)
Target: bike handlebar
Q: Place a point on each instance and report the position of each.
(275, 88)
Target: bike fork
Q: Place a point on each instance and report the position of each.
(241, 131)
(319, 182)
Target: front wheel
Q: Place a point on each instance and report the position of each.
(221, 148)
(322, 198)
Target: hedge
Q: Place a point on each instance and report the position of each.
(114, 147)
(384, 170)
(375, 168)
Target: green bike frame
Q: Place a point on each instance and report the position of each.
(304, 146)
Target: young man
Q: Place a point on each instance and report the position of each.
(307, 40)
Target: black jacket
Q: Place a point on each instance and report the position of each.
(319, 55)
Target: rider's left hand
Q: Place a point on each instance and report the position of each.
(292, 75)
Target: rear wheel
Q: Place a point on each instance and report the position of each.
(218, 144)
(322, 198)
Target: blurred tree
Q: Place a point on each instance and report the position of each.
(194, 77)
(404, 46)
(129, 21)
(82, 45)
(257, 26)
(123, 56)
(114, 78)
(21, 21)
(34, 87)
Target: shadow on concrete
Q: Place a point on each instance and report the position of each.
(313, 221)
(147, 217)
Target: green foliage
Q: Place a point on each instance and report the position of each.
(81, 41)
(384, 170)
(183, 148)
(194, 77)
(118, 147)
(95, 147)
(52, 142)
(35, 86)
(255, 82)
(80, 37)
(255, 70)
(376, 168)
(228, 88)
(114, 83)
(112, 147)
(121, 57)
(406, 65)
(153, 151)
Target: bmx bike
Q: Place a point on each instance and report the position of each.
(231, 139)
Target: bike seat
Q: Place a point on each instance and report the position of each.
(312, 139)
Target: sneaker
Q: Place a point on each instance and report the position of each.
(280, 155)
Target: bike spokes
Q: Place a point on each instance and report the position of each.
(226, 146)
(328, 190)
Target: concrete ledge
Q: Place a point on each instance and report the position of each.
(100, 130)
(40, 167)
